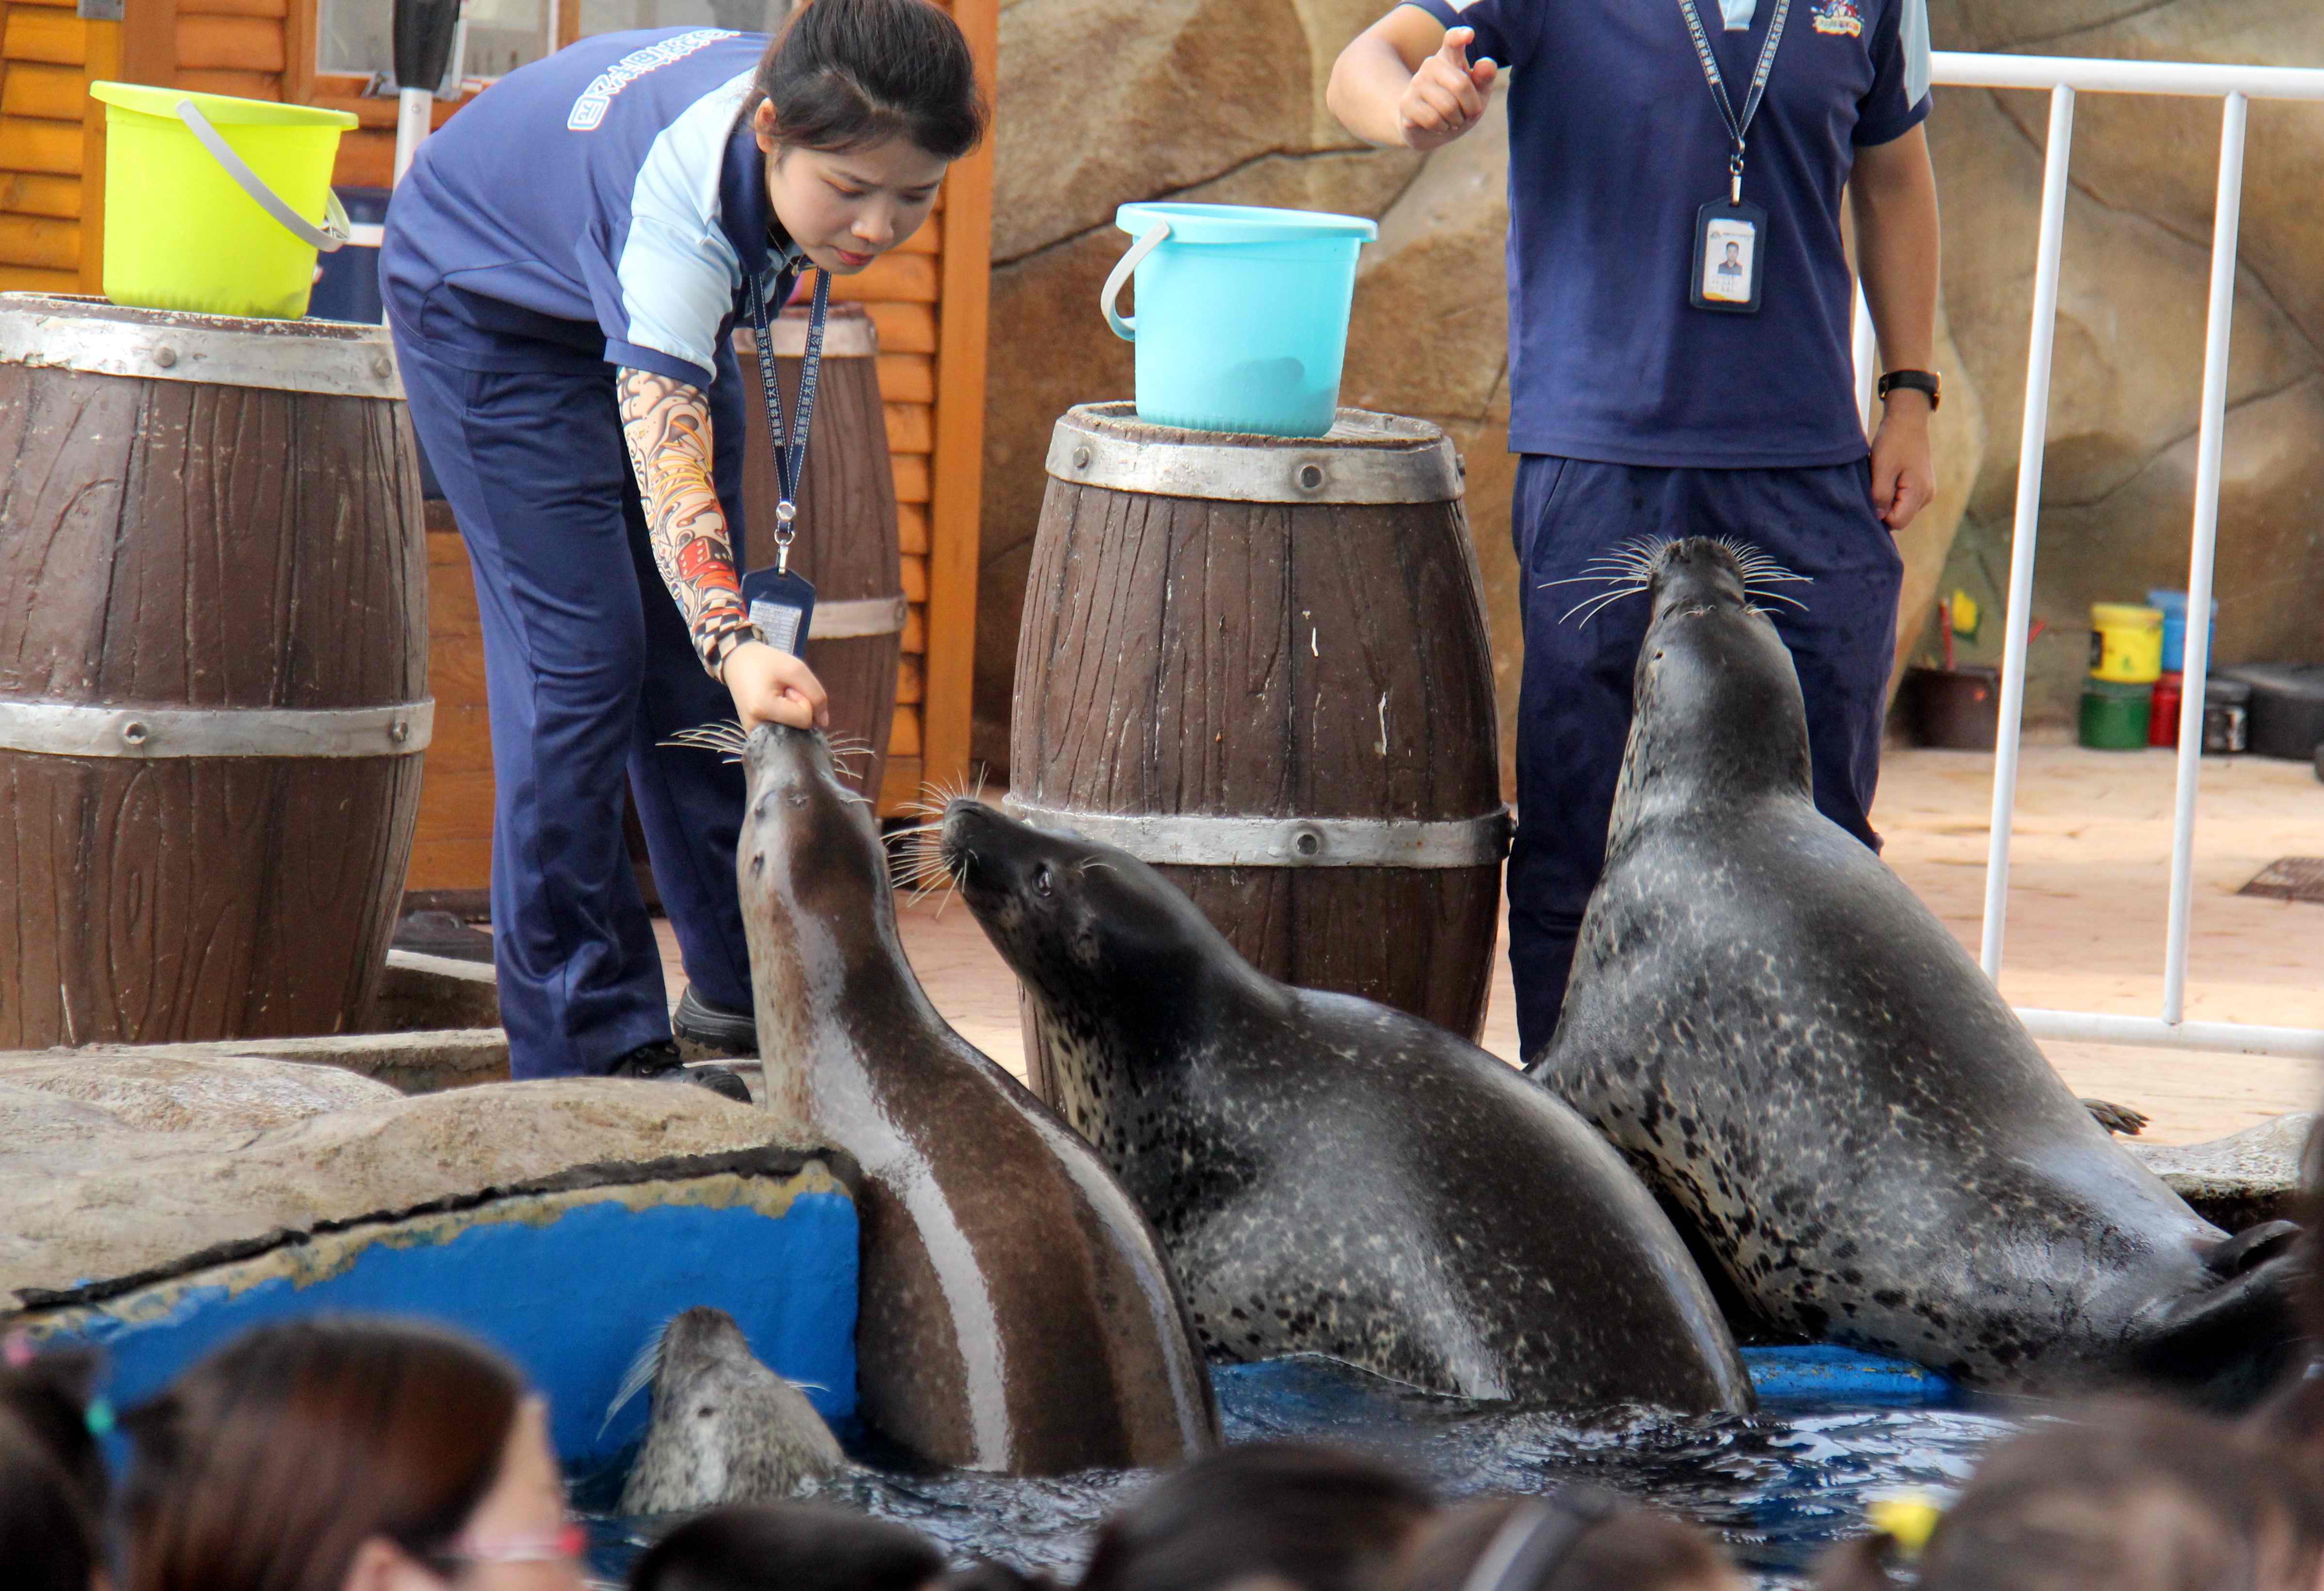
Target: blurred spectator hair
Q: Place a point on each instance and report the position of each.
(787, 1547)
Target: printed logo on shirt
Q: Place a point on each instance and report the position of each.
(598, 97)
(1840, 16)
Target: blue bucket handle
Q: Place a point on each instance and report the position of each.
(330, 237)
(1124, 327)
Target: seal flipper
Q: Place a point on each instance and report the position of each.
(2227, 1345)
(2118, 1118)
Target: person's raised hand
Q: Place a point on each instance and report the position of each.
(771, 686)
(1446, 95)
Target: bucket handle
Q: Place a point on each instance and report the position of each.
(330, 237)
(1126, 326)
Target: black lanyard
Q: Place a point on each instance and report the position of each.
(1737, 128)
(790, 457)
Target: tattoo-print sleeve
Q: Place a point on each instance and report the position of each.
(667, 424)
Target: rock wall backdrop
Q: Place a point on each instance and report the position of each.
(1105, 101)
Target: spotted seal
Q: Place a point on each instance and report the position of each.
(1820, 1082)
(724, 1428)
(1016, 1312)
(1331, 1175)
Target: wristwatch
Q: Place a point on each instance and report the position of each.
(1918, 381)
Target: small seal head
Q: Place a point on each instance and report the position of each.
(725, 1429)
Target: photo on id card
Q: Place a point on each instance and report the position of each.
(1726, 258)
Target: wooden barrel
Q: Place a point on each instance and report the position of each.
(213, 671)
(1261, 664)
(847, 539)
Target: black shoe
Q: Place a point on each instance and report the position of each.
(723, 1033)
(659, 1062)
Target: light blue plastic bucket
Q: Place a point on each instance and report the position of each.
(1242, 314)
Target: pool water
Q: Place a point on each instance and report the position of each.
(1778, 1487)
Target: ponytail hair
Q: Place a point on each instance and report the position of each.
(846, 74)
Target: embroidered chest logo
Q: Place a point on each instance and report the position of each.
(1843, 17)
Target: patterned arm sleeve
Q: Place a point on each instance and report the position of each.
(667, 424)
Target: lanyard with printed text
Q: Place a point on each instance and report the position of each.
(1735, 126)
(1731, 237)
(780, 601)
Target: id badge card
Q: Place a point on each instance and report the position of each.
(780, 605)
(1729, 257)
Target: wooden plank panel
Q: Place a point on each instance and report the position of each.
(45, 34)
(29, 145)
(915, 629)
(40, 242)
(31, 88)
(905, 328)
(902, 785)
(911, 478)
(896, 278)
(106, 41)
(448, 863)
(910, 679)
(241, 44)
(26, 278)
(958, 462)
(910, 428)
(904, 738)
(241, 85)
(912, 527)
(27, 195)
(366, 158)
(908, 377)
(277, 9)
(916, 580)
(928, 240)
(60, 4)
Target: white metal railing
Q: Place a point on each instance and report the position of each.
(2064, 76)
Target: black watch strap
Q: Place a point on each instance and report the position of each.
(1918, 381)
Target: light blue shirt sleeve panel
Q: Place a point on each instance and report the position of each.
(677, 272)
(1891, 109)
(1505, 29)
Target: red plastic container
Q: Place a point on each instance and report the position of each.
(2163, 718)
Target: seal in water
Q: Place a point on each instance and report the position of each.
(1820, 1082)
(1333, 1176)
(725, 1429)
(1016, 1312)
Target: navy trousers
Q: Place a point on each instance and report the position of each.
(588, 665)
(1573, 705)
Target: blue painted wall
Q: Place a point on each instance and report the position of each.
(571, 1300)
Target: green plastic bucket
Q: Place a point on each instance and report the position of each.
(209, 200)
(2115, 714)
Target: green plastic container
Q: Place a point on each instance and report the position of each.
(2115, 715)
(210, 201)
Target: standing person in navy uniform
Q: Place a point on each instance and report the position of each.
(1650, 398)
(563, 267)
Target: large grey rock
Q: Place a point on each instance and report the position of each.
(93, 1200)
(171, 1091)
(2241, 1179)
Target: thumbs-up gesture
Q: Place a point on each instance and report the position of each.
(1446, 95)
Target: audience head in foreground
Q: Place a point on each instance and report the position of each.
(346, 1455)
(787, 1547)
(1306, 1518)
(2127, 1498)
(1577, 1540)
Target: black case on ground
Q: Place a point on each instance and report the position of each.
(2287, 707)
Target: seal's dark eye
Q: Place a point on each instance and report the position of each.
(1041, 879)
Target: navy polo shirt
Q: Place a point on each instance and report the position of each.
(608, 203)
(1615, 142)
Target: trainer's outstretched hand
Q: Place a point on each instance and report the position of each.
(771, 686)
(1447, 95)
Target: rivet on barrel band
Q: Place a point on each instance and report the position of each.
(1195, 841)
(64, 729)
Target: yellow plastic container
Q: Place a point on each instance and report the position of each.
(2126, 643)
(210, 201)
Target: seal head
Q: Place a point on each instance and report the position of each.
(725, 1429)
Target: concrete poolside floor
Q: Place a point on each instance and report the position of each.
(2089, 886)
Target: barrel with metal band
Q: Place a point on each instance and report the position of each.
(1261, 664)
(213, 671)
(846, 524)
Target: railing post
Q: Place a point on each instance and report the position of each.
(2227, 218)
(2033, 437)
